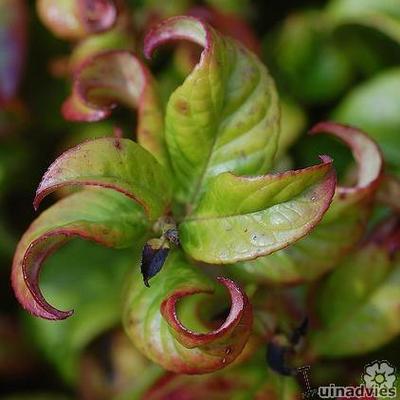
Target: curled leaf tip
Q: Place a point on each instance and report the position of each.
(25, 276)
(118, 77)
(365, 151)
(173, 322)
(93, 214)
(176, 28)
(103, 81)
(239, 314)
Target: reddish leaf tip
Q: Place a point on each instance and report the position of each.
(366, 152)
(176, 28)
(240, 309)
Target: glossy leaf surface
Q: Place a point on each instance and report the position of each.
(225, 115)
(152, 319)
(113, 163)
(341, 227)
(241, 218)
(103, 216)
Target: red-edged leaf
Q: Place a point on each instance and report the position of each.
(104, 216)
(241, 218)
(367, 154)
(153, 319)
(341, 227)
(225, 115)
(114, 163)
(118, 77)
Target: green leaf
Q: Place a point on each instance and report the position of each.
(114, 163)
(104, 216)
(92, 285)
(225, 116)
(293, 123)
(118, 77)
(383, 15)
(306, 58)
(358, 305)
(241, 218)
(374, 107)
(152, 319)
(340, 229)
(310, 257)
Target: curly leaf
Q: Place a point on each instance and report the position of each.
(241, 218)
(341, 227)
(118, 77)
(225, 116)
(103, 216)
(93, 287)
(13, 22)
(383, 15)
(152, 320)
(75, 19)
(360, 109)
(358, 304)
(118, 164)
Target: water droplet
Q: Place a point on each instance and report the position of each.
(227, 226)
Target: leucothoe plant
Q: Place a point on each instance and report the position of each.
(196, 191)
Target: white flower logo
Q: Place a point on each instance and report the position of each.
(379, 374)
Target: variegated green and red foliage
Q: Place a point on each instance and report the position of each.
(199, 185)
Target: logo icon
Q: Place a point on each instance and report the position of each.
(379, 374)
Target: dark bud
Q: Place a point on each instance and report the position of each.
(277, 356)
(154, 254)
(280, 349)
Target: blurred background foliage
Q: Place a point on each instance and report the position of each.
(336, 59)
